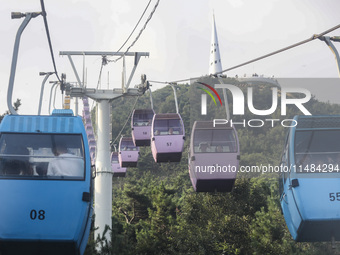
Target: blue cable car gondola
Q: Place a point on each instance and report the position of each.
(309, 180)
(214, 157)
(45, 184)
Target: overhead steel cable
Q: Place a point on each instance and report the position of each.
(104, 62)
(135, 26)
(128, 118)
(140, 32)
(44, 14)
(315, 36)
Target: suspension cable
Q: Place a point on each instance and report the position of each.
(104, 62)
(140, 32)
(135, 26)
(44, 14)
(315, 36)
(128, 118)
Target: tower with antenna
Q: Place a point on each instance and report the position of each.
(215, 65)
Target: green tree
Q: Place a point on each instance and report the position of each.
(16, 108)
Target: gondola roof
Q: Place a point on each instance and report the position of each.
(210, 125)
(167, 116)
(324, 121)
(61, 121)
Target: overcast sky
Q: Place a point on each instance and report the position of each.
(177, 37)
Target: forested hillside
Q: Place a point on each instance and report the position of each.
(156, 211)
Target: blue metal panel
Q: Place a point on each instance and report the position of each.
(61, 201)
(292, 205)
(45, 124)
(312, 196)
(289, 207)
(62, 112)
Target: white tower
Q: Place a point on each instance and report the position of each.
(215, 59)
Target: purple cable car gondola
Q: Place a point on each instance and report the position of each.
(167, 138)
(128, 152)
(118, 171)
(141, 126)
(214, 157)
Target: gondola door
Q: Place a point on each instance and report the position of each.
(285, 197)
(289, 207)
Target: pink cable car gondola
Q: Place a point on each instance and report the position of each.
(118, 171)
(141, 126)
(128, 152)
(167, 139)
(214, 157)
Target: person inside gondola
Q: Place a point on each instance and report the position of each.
(219, 148)
(18, 163)
(203, 147)
(171, 131)
(16, 167)
(304, 160)
(65, 164)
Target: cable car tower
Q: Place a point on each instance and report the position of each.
(104, 173)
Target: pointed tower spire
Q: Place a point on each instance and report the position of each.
(215, 64)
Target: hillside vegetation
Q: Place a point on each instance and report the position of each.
(156, 211)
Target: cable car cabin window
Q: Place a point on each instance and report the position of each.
(42, 156)
(317, 151)
(168, 127)
(215, 141)
(142, 119)
(114, 158)
(127, 146)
